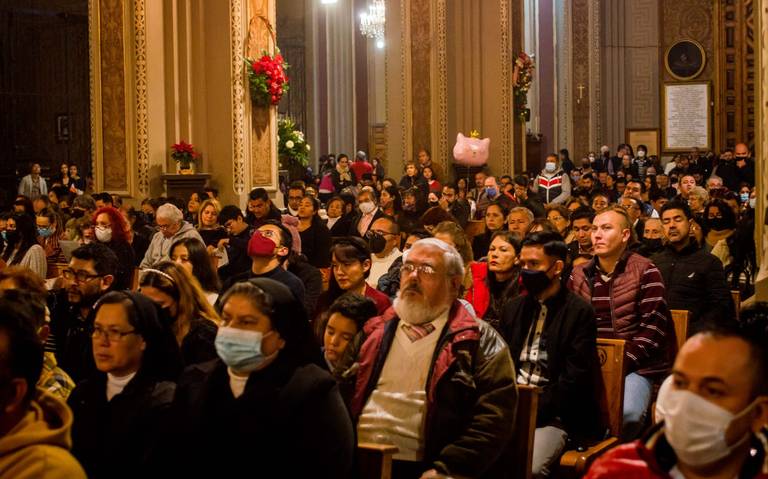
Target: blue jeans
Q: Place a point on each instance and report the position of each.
(637, 397)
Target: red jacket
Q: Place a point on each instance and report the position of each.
(653, 458)
(382, 300)
(478, 295)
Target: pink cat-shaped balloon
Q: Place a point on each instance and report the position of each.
(471, 151)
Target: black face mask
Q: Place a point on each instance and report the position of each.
(77, 213)
(376, 242)
(434, 203)
(718, 224)
(11, 237)
(166, 317)
(654, 244)
(535, 281)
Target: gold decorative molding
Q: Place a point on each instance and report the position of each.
(442, 87)
(142, 120)
(94, 71)
(237, 48)
(112, 77)
(405, 80)
(595, 130)
(505, 58)
(262, 138)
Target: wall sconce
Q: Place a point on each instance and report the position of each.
(581, 89)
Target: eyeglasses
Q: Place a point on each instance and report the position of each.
(421, 269)
(164, 227)
(80, 276)
(112, 335)
(268, 234)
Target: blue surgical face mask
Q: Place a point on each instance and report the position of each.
(44, 232)
(744, 197)
(240, 349)
(491, 191)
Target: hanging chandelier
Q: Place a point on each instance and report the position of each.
(372, 22)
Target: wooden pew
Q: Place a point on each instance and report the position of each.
(375, 460)
(736, 297)
(135, 279)
(574, 463)
(680, 318)
(520, 450)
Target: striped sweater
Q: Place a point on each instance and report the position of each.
(630, 305)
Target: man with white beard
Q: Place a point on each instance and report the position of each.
(431, 378)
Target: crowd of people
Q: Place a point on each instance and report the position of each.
(190, 337)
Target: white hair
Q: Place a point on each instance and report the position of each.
(522, 209)
(700, 193)
(170, 212)
(454, 265)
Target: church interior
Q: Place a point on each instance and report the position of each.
(454, 191)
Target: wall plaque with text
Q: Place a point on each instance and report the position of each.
(686, 116)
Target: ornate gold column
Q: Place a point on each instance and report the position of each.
(262, 127)
(117, 39)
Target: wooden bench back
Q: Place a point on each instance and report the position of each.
(680, 318)
(736, 297)
(610, 353)
(521, 445)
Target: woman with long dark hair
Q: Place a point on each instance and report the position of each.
(111, 230)
(192, 255)
(193, 319)
(267, 401)
(495, 220)
(315, 237)
(21, 245)
(389, 201)
(497, 280)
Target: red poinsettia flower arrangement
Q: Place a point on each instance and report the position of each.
(184, 153)
(267, 79)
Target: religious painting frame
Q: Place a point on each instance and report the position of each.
(685, 59)
(650, 137)
(686, 116)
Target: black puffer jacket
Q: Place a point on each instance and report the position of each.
(695, 281)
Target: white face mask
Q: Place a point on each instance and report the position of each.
(752, 203)
(695, 427)
(103, 234)
(367, 207)
(550, 167)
